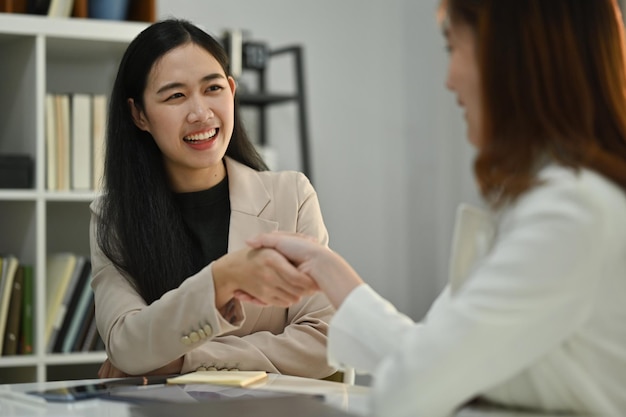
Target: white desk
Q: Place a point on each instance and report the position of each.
(350, 398)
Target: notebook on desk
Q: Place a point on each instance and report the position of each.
(289, 405)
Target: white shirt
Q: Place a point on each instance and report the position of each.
(534, 315)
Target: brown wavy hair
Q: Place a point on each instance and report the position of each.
(553, 88)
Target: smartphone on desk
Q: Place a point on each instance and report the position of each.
(98, 389)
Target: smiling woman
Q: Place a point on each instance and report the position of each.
(183, 189)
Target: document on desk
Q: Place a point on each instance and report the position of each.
(230, 378)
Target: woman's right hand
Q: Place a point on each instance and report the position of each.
(264, 274)
(332, 273)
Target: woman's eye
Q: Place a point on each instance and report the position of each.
(215, 88)
(174, 96)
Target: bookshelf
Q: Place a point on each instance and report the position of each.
(49, 55)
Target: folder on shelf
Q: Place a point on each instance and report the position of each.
(231, 378)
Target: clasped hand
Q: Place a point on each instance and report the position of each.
(259, 275)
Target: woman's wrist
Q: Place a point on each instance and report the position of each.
(335, 277)
(223, 286)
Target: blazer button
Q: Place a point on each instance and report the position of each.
(194, 337)
(201, 369)
(201, 334)
(207, 330)
(185, 340)
(211, 368)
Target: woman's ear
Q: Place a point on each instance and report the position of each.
(233, 85)
(138, 115)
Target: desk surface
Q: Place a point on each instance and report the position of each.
(350, 398)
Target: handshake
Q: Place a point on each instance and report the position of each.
(279, 269)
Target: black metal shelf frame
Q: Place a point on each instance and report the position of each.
(262, 99)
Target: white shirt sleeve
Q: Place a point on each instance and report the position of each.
(526, 297)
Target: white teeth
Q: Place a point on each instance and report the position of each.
(202, 136)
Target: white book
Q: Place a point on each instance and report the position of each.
(63, 141)
(81, 141)
(51, 147)
(99, 120)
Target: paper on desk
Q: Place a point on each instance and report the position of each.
(231, 378)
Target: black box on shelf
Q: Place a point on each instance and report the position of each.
(16, 171)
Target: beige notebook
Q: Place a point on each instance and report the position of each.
(232, 378)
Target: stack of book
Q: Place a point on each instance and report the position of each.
(70, 311)
(75, 131)
(16, 307)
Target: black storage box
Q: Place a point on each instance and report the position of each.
(16, 171)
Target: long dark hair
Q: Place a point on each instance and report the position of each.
(553, 81)
(140, 228)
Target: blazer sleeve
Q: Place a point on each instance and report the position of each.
(533, 290)
(299, 348)
(139, 337)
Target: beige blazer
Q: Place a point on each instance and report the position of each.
(185, 322)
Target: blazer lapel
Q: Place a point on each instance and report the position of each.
(473, 237)
(248, 198)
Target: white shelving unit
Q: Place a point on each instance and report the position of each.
(39, 55)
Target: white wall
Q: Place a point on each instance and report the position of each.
(390, 162)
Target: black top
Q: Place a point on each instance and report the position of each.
(207, 217)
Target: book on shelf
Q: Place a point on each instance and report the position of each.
(79, 316)
(59, 267)
(12, 330)
(62, 125)
(84, 325)
(81, 134)
(71, 312)
(60, 8)
(27, 324)
(9, 266)
(51, 148)
(91, 335)
(37, 6)
(99, 119)
(64, 307)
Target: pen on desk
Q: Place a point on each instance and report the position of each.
(23, 398)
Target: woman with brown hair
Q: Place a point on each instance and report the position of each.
(533, 316)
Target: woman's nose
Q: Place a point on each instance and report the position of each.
(199, 112)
